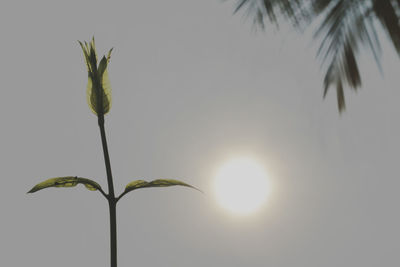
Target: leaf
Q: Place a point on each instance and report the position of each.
(67, 181)
(85, 53)
(99, 104)
(109, 55)
(388, 16)
(105, 83)
(98, 89)
(345, 29)
(260, 10)
(156, 183)
(340, 96)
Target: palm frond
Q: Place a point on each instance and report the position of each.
(319, 6)
(345, 29)
(347, 26)
(262, 10)
(388, 15)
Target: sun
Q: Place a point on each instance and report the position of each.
(241, 186)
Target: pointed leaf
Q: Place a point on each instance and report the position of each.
(102, 66)
(99, 95)
(340, 96)
(156, 183)
(109, 55)
(98, 89)
(106, 85)
(85, 53)
(93, 96)
(67, 181)
(90, 96)
(93, 49)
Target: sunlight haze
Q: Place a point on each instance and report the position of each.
(192, 85)
(241, 186)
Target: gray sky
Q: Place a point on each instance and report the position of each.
(192, 86)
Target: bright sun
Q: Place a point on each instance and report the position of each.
(241, 186)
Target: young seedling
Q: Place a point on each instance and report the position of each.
(99, 100)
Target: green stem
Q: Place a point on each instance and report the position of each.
(112, 202)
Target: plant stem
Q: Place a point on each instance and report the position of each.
(112, 202)
(113, 232)
(106, 157)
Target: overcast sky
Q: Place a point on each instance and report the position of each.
(192, 87)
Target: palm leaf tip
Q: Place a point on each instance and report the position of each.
(66, 181)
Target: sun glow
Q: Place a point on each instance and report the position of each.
(241, 186)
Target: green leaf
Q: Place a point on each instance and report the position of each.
(67, 181)
(156, 183)
(98, 88)
(99, 104)
(85, 54)
(109, 55)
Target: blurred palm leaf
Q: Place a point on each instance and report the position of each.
(347, 26)
(98, 89)
(260, 10)
(67, 181)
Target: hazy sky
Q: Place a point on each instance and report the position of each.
(192, 87)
